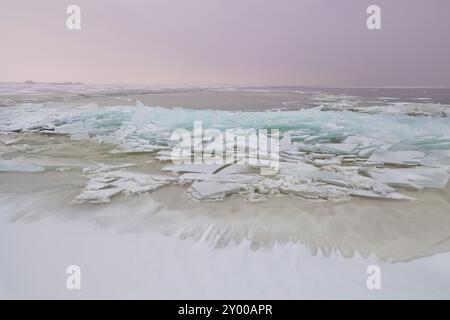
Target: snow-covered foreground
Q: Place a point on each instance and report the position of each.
(34, 257)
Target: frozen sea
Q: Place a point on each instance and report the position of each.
(86, 178)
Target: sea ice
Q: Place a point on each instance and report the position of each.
(333, 151)
(213, 190)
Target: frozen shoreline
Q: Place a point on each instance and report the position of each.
(66, 170)
(90, 185)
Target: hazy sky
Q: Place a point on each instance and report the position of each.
(240, 42)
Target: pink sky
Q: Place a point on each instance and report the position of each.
(238, 42)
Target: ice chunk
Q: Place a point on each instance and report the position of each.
(437, 158)
(236, 178)
(102, 195)
(336, 182)
(338, 148)
(412, 177)
(311, 172)
(409, 158)
(374, 195)
(211, 189)
(321, 156)
(102, 186)
(366, 152)
(365, 141)
(288, 168)
(237, 168)
(307, 191)
(285, 142)
(195, 168)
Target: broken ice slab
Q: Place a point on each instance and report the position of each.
(237, 168)
(364, 141)
(194, 168)
(294, 153)
(402, 158)
(338, 148)
(289, 157)
(13, 129)
(288, 168)
(132, 186)
(307, 147)
(213, 190)
(328, 162)
(235, 178)
(321, 156)
(142, 178)
(285, 142)
(437, 158)
(431, 143)
(311, 138)
(19, 166)
(98, 196)
(416, 178)
(374, 195)
(308, 191)
(337, 182)
(307, 171)
(101, 187)
(366, 152)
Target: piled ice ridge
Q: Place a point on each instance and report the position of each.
(331, 155)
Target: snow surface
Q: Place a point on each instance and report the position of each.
(34, 257)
